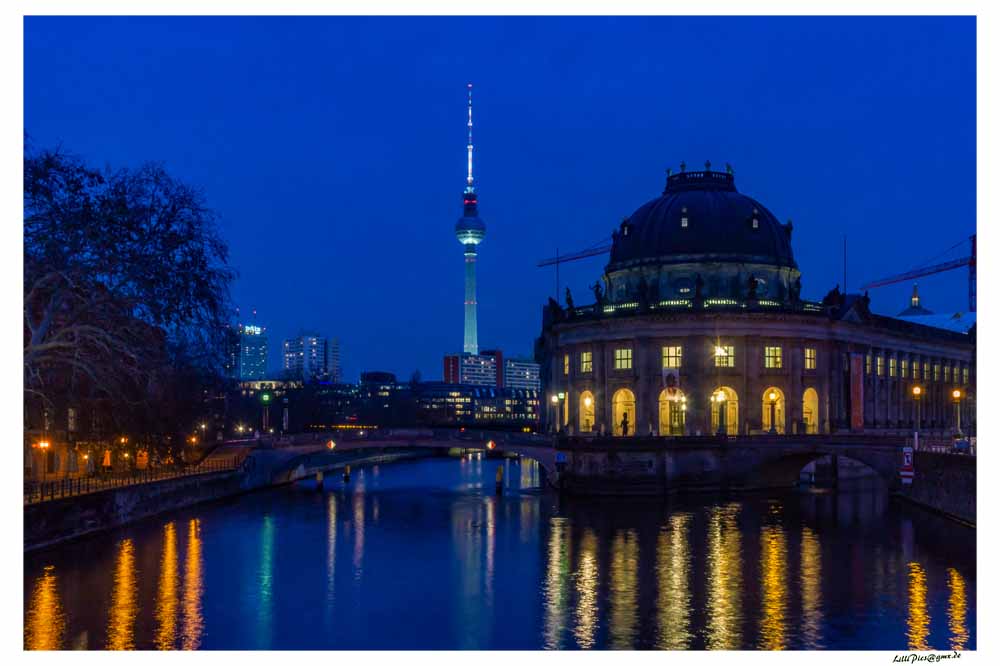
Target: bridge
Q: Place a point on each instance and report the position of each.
(626, 465)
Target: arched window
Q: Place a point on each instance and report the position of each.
(586, 411)
(773, 396)
(673, 410)
(623, 413)
(726, 403)
(810, 411)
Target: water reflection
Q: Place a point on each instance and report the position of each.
(774, 587)
(124, 599)
(557, 582)
(624, 573)
(45, 622)
(587, 577)
(919, 621)
(957, 610)
(265, 584)
(564, 571)
(725, 579)
(166, 596)
(810, 578)
(194, 623)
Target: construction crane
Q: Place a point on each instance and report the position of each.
(969, 261)
(574, 256)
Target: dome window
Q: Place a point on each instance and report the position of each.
(755, 223)
(684, 217)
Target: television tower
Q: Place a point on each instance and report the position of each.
(470, 231)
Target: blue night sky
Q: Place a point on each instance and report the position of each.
(334, 150)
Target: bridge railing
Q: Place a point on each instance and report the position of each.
(45, 491)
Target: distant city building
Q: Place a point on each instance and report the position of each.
(521, 373)
(490, 369)
(253, 352)
(310, 357)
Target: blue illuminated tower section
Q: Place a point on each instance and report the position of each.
(470, 231)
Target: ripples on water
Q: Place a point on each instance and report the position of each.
(427, 549)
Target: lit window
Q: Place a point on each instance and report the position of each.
(903, 367)
(772, 357)
(684, 217)
(586, 361)
(927, 371)
(724, 356)
(937, 372)
(892, 366)
(947, 373)
(810, 358)
(672, 357)
(868, 364)
(565, 364)
(623, 359)
(965, 375)
(880, 365)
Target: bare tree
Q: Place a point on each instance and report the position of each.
(125, 284)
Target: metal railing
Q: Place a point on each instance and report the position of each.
(45, 491)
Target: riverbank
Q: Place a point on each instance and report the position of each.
(57, 521)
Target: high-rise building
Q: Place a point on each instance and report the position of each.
(253, 352)
(309, 356)
(470, 231)
(522, 374)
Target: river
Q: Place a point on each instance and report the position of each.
(423, 554)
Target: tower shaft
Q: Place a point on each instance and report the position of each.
(471, 339)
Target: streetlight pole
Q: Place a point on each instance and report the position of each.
(916, 427)
(957, 396)
(773, 397)
(720, 397)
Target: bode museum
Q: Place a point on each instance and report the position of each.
(698, 327)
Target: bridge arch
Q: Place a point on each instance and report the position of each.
(783, 469)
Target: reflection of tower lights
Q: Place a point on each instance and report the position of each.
(918, 622)
(956, 610)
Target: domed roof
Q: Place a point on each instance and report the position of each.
(701, 217)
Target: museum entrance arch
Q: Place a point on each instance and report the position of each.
(773, 396)
(727, 402)
(623, 412)
(673, 411)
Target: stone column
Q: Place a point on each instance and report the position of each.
(795, 359)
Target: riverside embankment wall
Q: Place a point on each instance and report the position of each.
(944, 483)
(55, 521)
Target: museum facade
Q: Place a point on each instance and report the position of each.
(698, 327)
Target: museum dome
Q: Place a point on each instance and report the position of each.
(701, 218)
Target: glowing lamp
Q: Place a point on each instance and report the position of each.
(491, 445)
(555, 399)
(43, 444)
(917, 391)
(956, 394)
(772, 396)
(588, 401)
(331, 445)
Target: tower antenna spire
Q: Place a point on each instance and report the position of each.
(469, 186)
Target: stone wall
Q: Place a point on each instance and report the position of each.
(945, 483)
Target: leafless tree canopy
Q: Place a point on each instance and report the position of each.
(125, 286)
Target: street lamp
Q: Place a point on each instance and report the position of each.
(720, 398)
(956, 395)
(44, 446)
(773, 397)
(917, 392)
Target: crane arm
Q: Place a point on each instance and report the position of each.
(920, 272)
(575, 256)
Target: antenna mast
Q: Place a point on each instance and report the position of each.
(469, 187)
